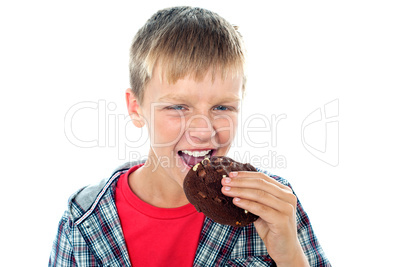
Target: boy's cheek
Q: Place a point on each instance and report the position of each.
(166, 131)
(225, 137)
(226, 130)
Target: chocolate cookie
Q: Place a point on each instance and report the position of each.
(202, 187)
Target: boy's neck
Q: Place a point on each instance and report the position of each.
(155, 188)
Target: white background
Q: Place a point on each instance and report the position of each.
(302, 55)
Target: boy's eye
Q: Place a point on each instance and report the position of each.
(220, 107)
(176, 107)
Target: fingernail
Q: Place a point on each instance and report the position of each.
(236, 199)
(227, 188)
(233, 174)
(227, 180)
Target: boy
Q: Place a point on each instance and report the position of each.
(187, 81)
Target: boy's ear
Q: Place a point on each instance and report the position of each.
(134, 109)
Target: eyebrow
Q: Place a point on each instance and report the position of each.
(179, 98)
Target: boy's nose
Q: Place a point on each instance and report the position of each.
(200, 130)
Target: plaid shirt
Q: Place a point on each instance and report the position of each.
(90, 234)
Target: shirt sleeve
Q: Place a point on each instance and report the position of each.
(62, 253)
(309, 242)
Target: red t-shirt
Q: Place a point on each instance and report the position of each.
(157, 236)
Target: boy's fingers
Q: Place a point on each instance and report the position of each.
(259, 187)
(258, 198)
(266, 213)
(250, 174)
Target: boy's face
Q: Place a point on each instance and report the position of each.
(186, 117)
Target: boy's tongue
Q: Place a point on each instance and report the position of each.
(190, 160)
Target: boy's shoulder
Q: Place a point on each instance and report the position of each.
(86, 197)
(276, 177)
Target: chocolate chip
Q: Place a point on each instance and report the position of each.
(203, 195)
(217, 199)
(202, 173)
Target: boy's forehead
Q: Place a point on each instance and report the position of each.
(228, 97)
(210, 85)
(228, 90)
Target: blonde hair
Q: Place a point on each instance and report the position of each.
(185, 41)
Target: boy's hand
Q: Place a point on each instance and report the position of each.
(276, 205)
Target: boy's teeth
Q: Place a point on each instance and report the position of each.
(196, 153)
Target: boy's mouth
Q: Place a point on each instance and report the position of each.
(192, 157)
